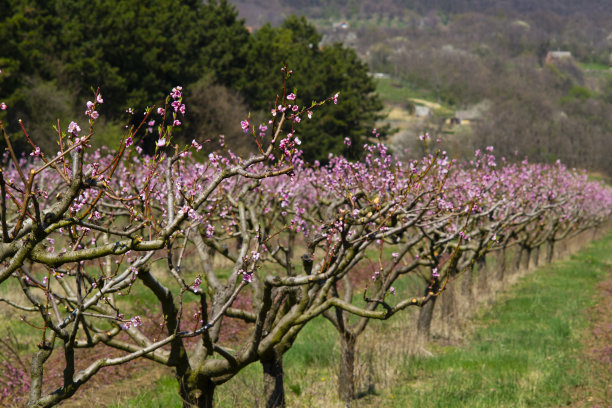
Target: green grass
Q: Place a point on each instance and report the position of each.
(163, 394)
(398, 91)
(594, 66)
(526, 352)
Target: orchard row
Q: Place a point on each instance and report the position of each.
(269, 240)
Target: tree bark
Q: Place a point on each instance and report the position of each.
(346, 377)
(501, 264)
(449, 311)
(274, 391)
(198, 393)
(550, 251)
(467, 285)
(519, 256)
(536, 257)
(483, 282)
(527, 259)
(424, 321)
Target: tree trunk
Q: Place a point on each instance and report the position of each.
(519, 256)
(449, 312)
(274, 391)
(483, 283)
(198, 393)
(536, 257)
(346, 376)
(550, 252)
(467, 288)
(424, 322)
(501, 265)
(527, 259)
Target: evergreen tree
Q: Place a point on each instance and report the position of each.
(134, 51)
(53, 53)
(320, 71)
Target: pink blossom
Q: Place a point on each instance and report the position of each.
(95, 115)
(196, 283)
(161, 142)
(309, 114)
(291, 97)
(76, 142)
(90, 105)
(129, 141)
(335, 98)
(161, 111)
(2, 105)
(99, 98)
(73, 128)
(176, 122)
(134, 321)
(245, 125)
(347, 141)
(36, 152)
(130, 111)
(434, 273)
(177, 92)
(196, 145)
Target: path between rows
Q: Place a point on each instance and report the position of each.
(598, 351)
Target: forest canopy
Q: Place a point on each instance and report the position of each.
(56, 51)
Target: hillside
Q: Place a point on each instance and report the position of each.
(258, 11)
(542, 69)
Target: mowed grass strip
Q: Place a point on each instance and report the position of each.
(527, 350)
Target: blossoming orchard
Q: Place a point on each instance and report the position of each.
(86, 234)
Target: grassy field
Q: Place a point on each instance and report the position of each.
(527, 350)
(524, 351)
(393, 90)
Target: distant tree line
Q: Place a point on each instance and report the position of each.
(547, 111)
(54, 52)
(461, 53)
